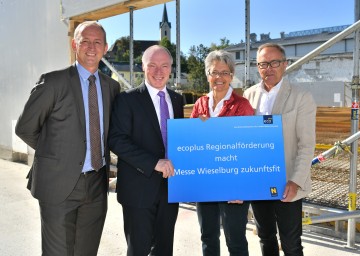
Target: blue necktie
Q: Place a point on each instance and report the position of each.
(164, 115)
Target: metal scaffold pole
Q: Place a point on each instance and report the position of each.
(338, 147)
(131, 63)
(354, 129)
(247, 44)
(178, 59)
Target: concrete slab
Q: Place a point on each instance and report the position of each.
(20, 225)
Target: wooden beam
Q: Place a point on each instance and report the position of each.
(106, 12)
(72, 25)
(117, 9)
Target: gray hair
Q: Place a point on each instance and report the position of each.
(277, 46)
(221, 56)
(85, 24)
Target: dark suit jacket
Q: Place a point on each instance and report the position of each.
(135, 137)
(53, 123)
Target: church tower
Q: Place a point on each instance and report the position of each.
(165, 26)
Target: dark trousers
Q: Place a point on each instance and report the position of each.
(74, 227)
(150, 231)
(287, 217)
(234, 220)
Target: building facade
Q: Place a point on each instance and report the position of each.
(329, 73)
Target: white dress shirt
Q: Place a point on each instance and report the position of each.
(156, 100)
(267, 99)
(216, 111)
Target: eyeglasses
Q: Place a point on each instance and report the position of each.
(222, 74)
(273, 64)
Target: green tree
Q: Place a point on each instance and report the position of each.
(224, 42)
(172, 49)
(195, 62)
(138, 60)
(123, 49)
(196, 66)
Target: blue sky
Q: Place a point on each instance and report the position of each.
(207, 21)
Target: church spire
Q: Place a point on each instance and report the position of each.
(165, 18)
(165, 26)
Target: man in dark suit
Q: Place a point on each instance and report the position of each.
(70, 187)
(135, 136)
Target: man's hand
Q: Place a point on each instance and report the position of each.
(290, 192)
(166, 167)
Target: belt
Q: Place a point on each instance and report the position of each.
(88, 173)
(93, 171)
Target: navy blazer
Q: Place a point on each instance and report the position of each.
(135, 137)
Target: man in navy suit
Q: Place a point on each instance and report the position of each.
(72, 192)
(143, 170)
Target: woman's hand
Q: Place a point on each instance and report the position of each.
(235, 202)
(203, 118)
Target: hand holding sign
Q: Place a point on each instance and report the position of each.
(245, 160)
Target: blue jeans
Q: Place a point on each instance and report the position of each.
(288, 218)
(234, 220)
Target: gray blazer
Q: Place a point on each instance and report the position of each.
(298, 111)
(53, 123)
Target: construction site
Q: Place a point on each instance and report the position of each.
(333, 207)
(331, 178)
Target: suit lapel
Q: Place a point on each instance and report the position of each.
(148, 108)
(76, 88)
(281, 98)
(256, 98)
(174, 99)
(105, 91)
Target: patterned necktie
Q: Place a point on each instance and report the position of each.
(94, 126)
(164, 115)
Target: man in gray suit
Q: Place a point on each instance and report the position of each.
(274, 95)
(71, 189)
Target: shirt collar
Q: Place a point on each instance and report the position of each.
(153, 91)
(84, 73)
(227, 95)
(275, 89)
(221, 103)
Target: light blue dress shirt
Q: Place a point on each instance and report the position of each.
(84, 75)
